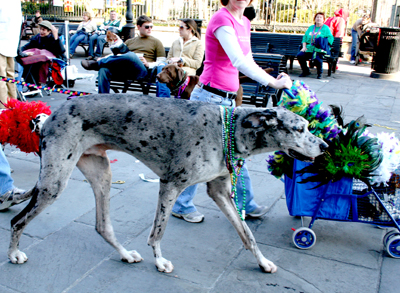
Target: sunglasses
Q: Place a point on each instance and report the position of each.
(148, 26)
(183, 27)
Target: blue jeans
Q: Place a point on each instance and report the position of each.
(101, 41)
(354, 40)
(126, 66)
(6, 182)
(162, 89)
(184, 203)
(74, 42)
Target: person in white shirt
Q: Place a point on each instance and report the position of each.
(10, 29)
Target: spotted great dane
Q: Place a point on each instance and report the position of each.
(180, 141)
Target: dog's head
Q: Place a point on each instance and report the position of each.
(171, 74)
(36, 124)
(111, 37)
(278, 128)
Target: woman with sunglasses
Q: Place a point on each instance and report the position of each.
(188, 49)
(228, 51)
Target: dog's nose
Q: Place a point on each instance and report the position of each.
(323, 147)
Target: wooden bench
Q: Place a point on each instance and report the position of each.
(253, 93)
(289, 45)
(258, 95)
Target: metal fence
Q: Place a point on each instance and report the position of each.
(276, 15)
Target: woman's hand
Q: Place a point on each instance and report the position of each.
(283, 81)
(29, 53)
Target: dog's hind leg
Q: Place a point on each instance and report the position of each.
(167, 197)
(97, 171)
(219, 191)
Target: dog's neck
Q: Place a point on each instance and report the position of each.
(175, 88)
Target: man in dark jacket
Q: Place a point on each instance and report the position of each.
(48, 40)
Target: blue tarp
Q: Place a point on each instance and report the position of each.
(302, 200)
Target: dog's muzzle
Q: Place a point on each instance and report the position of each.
(224, 94)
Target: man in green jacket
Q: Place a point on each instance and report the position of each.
(99, 36)
(310, 50)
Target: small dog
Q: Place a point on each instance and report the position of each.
(81, 131)
(182, 86)
(117, 46)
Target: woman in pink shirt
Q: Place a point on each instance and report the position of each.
(227, 31)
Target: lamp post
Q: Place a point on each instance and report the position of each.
(295, 12)
(128, 30)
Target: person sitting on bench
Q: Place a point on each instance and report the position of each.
(315, 45)
(146, 56)
(99, 36)
(85, 28)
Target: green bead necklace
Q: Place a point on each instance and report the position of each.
(233, 164)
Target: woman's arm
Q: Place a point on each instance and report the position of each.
(197, 58)
(245, 64)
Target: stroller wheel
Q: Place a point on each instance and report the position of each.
(304, 238)
(393, 246)
(389, 235)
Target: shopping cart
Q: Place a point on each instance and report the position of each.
(345, 200)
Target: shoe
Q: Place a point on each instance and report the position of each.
(319, 76)
(194, 217)
(90, 65)
(353, 62)
(90, 58)
(70, 56)
(258, 212)
(7, 199)
(304, 74)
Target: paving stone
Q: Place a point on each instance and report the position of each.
(58, 261)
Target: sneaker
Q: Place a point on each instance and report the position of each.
(353, 62)
(258, 212)
(90, 65)
(304, 74)
(194, 217)
(7, 199)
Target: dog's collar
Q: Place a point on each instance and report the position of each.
(177, 86)
(233, 163)
(181, 89)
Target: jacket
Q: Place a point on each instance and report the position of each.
(324, 32)
(49, 43)
(337, 23)
(191, 53)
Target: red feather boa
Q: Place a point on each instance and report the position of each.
(14, 122)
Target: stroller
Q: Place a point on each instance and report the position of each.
(367, 43)
(54, 78)
(347, 200)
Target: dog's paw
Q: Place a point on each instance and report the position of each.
(132, 256)
(267, 266)
(17, 257)
(164, 265)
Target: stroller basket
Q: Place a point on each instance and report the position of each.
(345, 200)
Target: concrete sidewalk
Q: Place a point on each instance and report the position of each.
(67, 255)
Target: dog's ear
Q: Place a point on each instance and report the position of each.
(266, 118)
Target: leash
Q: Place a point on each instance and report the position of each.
(46, 88)
(233, 164)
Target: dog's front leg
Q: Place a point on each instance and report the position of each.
(96, 169)
(167, 197)
(219, 191)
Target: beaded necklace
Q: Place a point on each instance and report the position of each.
(233, 164)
